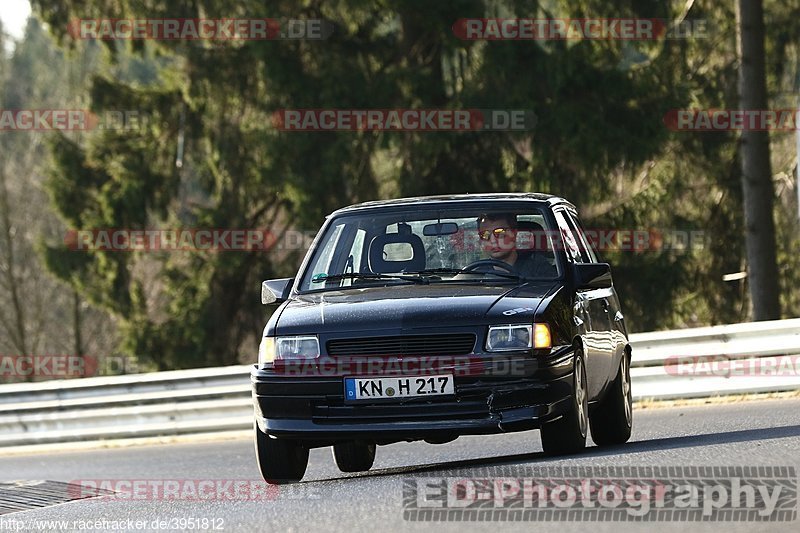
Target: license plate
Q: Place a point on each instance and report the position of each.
(383, 388)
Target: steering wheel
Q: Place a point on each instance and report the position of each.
(478, 265)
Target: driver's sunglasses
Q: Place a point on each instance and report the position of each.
(486, 234)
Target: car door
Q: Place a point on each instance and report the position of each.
(618, 333)
(589, 314)
(609, 345)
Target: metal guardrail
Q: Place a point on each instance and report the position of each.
(219, 399)
(669, 364)
(139, 405)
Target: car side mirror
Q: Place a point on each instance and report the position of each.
(276, 290)
(593, 276)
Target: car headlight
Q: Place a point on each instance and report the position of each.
(301, 347)
(266, 351)
(515, 337)
(541, 336)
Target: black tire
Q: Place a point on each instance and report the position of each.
(612, 419)
(568, 434)
(280, 460)
(354, 456)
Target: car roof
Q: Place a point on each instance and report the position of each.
(459, 198)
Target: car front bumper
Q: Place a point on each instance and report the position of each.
(312, 408)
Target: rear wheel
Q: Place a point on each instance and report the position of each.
(568, 433)
(280, 460)
(612, 420)
(354, 456)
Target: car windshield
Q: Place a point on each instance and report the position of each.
(475, 245)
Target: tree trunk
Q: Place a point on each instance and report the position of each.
(77, 327)
(16, 325)
(762, 270)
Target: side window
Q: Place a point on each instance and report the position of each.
(586, 251)
(582, 234)
(353, 263)
(323, 264)
(570, 242)
(357, 250)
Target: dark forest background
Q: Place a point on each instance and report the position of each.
(207, 155)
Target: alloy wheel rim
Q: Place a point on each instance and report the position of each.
(626, 389)
(580, 396)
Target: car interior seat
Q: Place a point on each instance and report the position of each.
(380, 264)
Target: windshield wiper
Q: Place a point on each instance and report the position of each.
(438, 271)
(508, 275)
(320, 278)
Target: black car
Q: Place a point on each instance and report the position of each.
(429, 318)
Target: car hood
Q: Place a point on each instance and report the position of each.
(407, 307)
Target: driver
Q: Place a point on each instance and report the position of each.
(498, 235)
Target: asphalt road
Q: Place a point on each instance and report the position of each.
(759, 433)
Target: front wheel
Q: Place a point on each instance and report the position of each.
(611, 422)
(568, 433)
(280, 460)
(354, 456)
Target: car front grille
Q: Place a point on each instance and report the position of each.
(445, 344)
